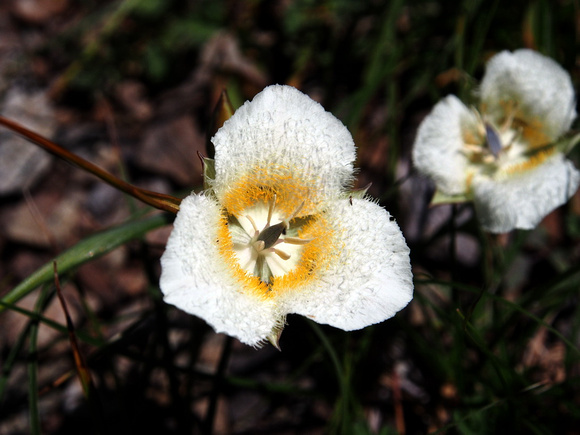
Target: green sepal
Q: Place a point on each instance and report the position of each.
(442, 198)
(274, 337)
(222, 112)
(208, 172)
(566, 144)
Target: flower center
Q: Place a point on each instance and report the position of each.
(263, 248)
(511, 144)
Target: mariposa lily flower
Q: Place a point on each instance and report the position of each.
(278, 232)
(507, 156)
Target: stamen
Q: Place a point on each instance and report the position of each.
(253, 223)
(264, 243)
(488, 159)
(298, 210)
(287, 221)
(510, 118)
(296, 240)
(270, 210)
(281, 254)
(481, 123)
(475, 149)
(519, 132)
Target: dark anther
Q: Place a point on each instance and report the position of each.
(271, 234)
(493, 140)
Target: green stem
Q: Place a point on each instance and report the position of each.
(340, 374)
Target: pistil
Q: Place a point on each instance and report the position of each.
(264, 243)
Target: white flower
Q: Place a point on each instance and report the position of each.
(277, 232)
(504, 156)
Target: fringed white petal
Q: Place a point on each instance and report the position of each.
(286, 133)
(196, 279)
(437, 151)
(370, 278)
(523, 200)
(540, 88)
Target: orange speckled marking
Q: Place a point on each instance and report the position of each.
(533, 134)
(315, 255)
(531, 163)
(471, 138)
(261, 184)
(532, 129)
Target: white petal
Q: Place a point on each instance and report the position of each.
(523, 200)
(196, 279)
(541, 88)
(437, 151)
(285, 132)
(371, 278)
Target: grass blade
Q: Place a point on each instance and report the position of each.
(33, 413)
(81, 366)
(88, 249)
(80, 363)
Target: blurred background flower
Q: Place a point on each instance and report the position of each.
(506, 155)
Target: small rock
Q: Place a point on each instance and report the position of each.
(106, 203)
(38, 11)
(170, 149)
(159, 236)
(133, 96)
(21, 162)
(46, 220)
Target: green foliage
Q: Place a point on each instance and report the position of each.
(127, 39)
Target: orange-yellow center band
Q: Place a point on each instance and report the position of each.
(263, 187)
